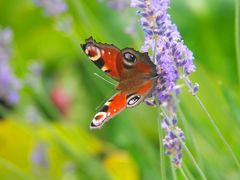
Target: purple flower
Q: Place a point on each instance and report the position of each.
(39, 155)
(9, 85)
(173, 61)
(171, 54)
(171, 141)
(52, 7)
(117, 4)
(5, 44)
(33, 79)
(68, 167)
(194, 88)
(65, 25)
(36, 69)
(131, 29)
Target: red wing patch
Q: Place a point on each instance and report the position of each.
(133, 99)
(111, 108)
(118, 103)
(137, 64)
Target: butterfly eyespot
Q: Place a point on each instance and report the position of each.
(93, 52)
(133, 100)
(129, 59)
(98, 119)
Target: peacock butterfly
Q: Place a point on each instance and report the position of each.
(135, 72)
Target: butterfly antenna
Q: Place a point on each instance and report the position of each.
(102, 102)
(104, 79)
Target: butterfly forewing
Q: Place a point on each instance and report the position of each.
(106, 57)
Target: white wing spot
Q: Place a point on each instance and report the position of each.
(98, 122)
(104, 68)
(109, 114)
(114, 110)
(92, 48)
(102, 51)
(107, 103)
(109, 53)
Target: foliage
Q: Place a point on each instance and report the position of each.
(46, 58)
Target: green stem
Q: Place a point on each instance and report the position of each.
(237, 38)
(187, 171)
(173, 169)
(187, 128)
(192, 158)
(183, 173)
(160, 136)
(214, 125)
(218, 131)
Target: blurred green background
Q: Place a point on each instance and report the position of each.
(46, 134)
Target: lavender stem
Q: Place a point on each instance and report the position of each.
(183, 174)
(214, 125)
(237, 38)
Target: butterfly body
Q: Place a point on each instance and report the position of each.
(134, 71)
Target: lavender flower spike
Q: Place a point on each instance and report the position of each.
(171, 141)
(173, 59)
(9, 85)
(52, 7)
(172, 56)
(39, 155)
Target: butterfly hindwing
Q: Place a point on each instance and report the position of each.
(119, 102)
(112, 107)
